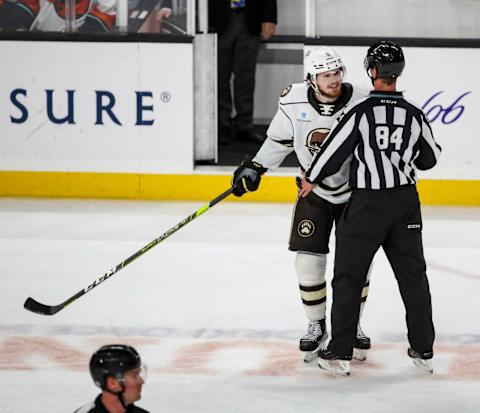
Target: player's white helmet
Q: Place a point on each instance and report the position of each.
(320, 60)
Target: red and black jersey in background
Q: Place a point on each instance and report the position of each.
(91, 15)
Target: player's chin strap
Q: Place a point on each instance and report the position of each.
(119, 395)
(122, 400)
(314, 85)
(372, 79)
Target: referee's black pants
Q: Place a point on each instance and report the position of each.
(392, 219)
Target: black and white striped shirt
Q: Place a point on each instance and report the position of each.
(384, 138)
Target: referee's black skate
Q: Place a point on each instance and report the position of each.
(361, 345)
(312, 342)
(422, 360)
(334, 363)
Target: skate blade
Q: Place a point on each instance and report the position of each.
(425, 365)
(360, 354)
(339, 367)
(309, 356)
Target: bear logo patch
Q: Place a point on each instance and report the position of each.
(306, 228)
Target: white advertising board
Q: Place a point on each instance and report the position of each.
(442, 81)
(96, 107)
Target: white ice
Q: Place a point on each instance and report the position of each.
(215, 311)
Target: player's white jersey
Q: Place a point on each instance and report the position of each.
(301, 124)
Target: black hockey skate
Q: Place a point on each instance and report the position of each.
(334, 363)
(361, 345)
(422, 360)
(312, 342)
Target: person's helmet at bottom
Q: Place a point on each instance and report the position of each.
(117, 369)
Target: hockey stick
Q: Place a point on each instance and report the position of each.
(39, 308)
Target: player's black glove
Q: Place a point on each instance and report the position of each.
(246, 177)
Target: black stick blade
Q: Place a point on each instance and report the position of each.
(39, 308)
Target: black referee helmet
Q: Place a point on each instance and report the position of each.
(113, 360)
(387, 57)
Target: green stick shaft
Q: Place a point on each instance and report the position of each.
(39, 308)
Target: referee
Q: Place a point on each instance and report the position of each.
(385, 139)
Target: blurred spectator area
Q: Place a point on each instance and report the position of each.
(158, 16)
(389, 18)
(143, 16)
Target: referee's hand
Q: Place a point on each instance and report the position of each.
(306, 188)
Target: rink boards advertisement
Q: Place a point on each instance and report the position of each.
(96, 107)
(115, 120)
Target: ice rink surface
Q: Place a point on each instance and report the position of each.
(215, 311)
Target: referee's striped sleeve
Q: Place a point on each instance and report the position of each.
(429, 150)
(335, 150)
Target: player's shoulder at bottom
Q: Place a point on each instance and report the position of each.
(295, 93)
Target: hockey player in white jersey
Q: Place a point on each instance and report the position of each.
(306, 112)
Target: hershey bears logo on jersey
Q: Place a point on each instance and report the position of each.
(315, 139)
(326, 110)
(306, 228)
